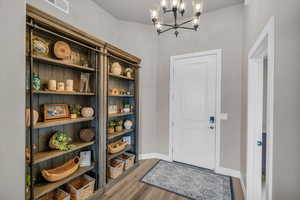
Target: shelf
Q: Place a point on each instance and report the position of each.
(58, 122)
(42, 189)
(120, 114)
(43, 156)
(120, 76)
(115, 135)
(120, 95)
(112, 156)
(63, 64)
(63, 93)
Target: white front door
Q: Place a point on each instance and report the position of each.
(194, 110)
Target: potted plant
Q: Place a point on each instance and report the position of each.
(119, 125)
(126, 108)
(111, 127)
(128, 72)
(75, 110)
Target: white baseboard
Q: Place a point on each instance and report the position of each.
(154, 155)
(243, 185)
(228, 172)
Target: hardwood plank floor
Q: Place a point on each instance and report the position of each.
(131, 189)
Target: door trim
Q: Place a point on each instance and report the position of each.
(264, 46)
(218, 53)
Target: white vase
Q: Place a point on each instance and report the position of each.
(128, 124)
(87, 112)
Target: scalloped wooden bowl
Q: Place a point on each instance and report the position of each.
(63, 171)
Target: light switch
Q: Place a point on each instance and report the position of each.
(224, 116)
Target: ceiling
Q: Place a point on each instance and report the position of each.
(139, 10)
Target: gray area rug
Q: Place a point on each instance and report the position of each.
(189, 181)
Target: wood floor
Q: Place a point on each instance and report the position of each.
(131, 189)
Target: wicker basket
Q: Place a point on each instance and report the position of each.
(117, 146)
(128, 159)
(81, 188)
(115, 168)
(57, 194)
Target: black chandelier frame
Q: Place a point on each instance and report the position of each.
(176, 25)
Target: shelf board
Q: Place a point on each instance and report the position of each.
(63, 64)
(117, 134)
(112, 156)
(120, 114)
(63, 93)
(111, 95)
(120, 76)
(58, 122)
(43, 156)
(42, 189)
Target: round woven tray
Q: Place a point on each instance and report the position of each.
(62, 50)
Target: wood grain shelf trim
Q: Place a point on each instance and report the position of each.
(47, 155)
(112, 156)
(120, 114)
(120, 76)
(62, 63)
(59, 122)
(42, 189)
(63, 93)
(115, 135)
(120, 95)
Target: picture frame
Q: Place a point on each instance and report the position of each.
(56, 111)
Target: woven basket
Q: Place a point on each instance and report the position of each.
(62, 171)
(128, 159)
(81, 188)
(57, 194)
(117, 146)
(115, 168)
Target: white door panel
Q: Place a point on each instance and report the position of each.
(194, 103)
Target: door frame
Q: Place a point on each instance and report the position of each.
(218, 53)
(264, 46)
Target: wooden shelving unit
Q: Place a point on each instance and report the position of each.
(123, 84)
(99, 56)
(48, 67)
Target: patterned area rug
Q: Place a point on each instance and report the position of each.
(190, 182)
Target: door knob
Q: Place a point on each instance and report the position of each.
(259, 143)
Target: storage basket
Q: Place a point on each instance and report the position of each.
(57, 194)
(115, 168)
(117, 146)
(81, 188)
(128, 159)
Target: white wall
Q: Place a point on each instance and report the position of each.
(12, 99)
(286, 176)
(219, 29)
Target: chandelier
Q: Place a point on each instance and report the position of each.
(177, 8)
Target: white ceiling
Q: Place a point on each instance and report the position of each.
(139, 10)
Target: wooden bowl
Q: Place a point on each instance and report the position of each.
(61, 172)
(62, 50)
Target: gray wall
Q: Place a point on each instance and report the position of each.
(287, 90)
(12, 98)
(219, 29)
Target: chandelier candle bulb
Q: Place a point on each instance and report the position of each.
(164, 4)
(154, 15)
(174, 4)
